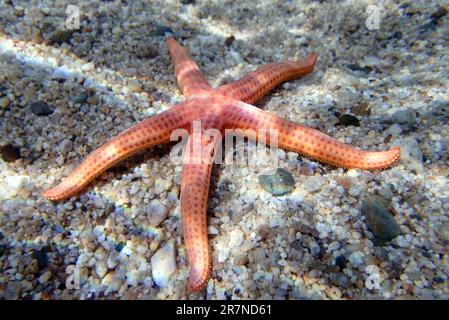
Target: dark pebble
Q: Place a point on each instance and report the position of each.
(40, 108)
(378, 219)
(61, 36)
(41, 257)
(441, 12)
(162, 31)
(81, 98)
(119, 247)
(348, 120)
(355, 67)
(430, 26)
(229, 40)
(303, 228)
(397, 35)
(187, 1)
(297, 245)
(279, 183)
(2, 250)
(10, 153)
(147, 52)
(438, 280)
(340, 261)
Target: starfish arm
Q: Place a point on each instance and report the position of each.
(195, 183)
(256, 84)
(306, 141)
(188, 74)
(147, 133)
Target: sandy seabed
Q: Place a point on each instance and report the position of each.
(65, 92)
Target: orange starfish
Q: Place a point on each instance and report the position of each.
(227, 107)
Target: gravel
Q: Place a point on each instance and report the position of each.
(103, 243)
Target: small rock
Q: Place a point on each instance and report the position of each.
(61, 36)
(241, 260)
(119, 246)
(386, 192)
(380, 253)
(406, 116)
(15, 183)
(41, 257)
(36, 34)
(113, 281)
(278, 183)
(162, 31)
(163, 264)
(442, 232)
(354, 190)
(101, 269)
(394, 130)
(65, 146)
(361, 109)
(348, 120)
(10, 153)
(340, 261)
(438, 279)
(441, 12)
(428, 26)
(340, 279)
(356, 258)
(378, 219)
(236, 238)
(313, 183)
(212, 230)
(411, 155)
(80, 98)
(40, 108)
(145, 51)
(356, 67)
(132, 277)
(314, 248)
(62, 73)
(187, 1)
(229, 41)
(45, 277)
(12, 291)
(156, 212)
(135, 86)
(4, 102)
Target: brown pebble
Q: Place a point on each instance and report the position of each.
(229, 40)
(10, 153)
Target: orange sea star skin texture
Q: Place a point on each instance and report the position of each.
(226, 107)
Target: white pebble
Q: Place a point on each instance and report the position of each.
(313, 183)
(235, 238)
(156, 212)
(163, 264)
(62, 73)
(45, 277)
